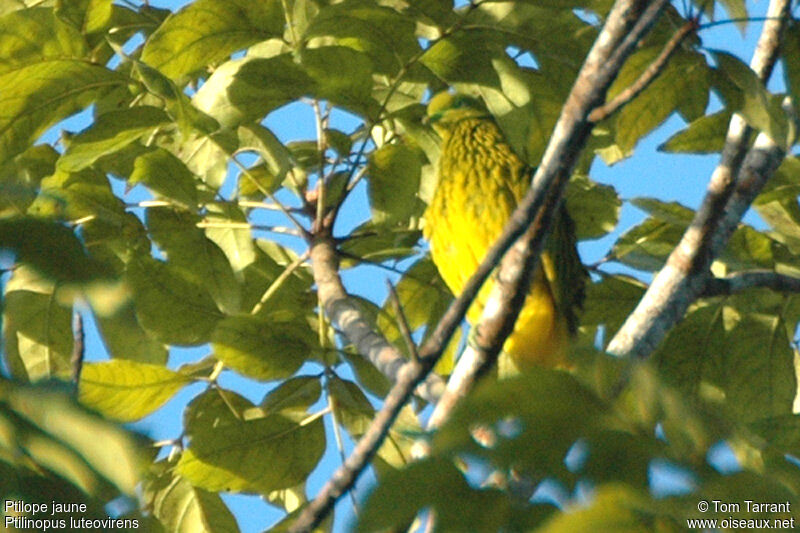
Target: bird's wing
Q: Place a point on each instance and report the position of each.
(567, 276)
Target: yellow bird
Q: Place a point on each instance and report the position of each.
(480, 182)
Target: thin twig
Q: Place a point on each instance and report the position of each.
(402, 323)
(337, 436)
(286, 212)
(78, 347)
(278, 282)
(740, 281)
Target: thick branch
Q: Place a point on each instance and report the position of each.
(683, 277)
(627, 23)
(765, 279)
(349, 318)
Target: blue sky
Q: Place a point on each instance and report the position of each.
(648, 173)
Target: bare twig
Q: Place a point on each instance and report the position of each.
(278, 282)
(627, 23)
(402, 323)
(734, 183)
(740, 281)
(78, 347)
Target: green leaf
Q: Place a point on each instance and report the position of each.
(110, 133)
(790, 51)
(439, 486)
(208, 31)
(777, 203)
(89, 16)
(260, 348)
(50, 432)
(227, 225)
(206, 155)
(294, 292)
(127, 390)
(741, 359)
(761, 110)
(355, 412)
(182, 508)
(647, 246)
(21, 176)
(37, 96)
(615, 507)
(342, 75)
(552, 35)
(125, 339)
(292, 398)
(167, 176)
(86, 194)
(169, 306)
(34, 35)
(594, 208)
(465, 57)
(37, 330)
(366, 373)
(375, 242)
(262, 454)
(684, 76)
(394, 174)
(243, 90)
(187, 248)
(275, 156)
(737, 10)
(610, 301)
(50, 248)
(381, 33)
(706, 135)
(545, 429)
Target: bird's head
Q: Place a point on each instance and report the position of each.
(446, 109)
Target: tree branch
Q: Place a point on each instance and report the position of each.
(733, 185)
(349, 318)
(740, 281)
(627, 23)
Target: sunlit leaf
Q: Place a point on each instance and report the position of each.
(207, 31)
(50, 248)
(703, 136)
(394, 172)
(593, 207)
(172, 308)
(56, 434)
(127, 390)
(182, 508)
(36, 96)
(32, 35)
(260, 348)
(37, 330)
(260, 455)
(110, 133)
(187, 248)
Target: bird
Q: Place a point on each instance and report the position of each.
(480, 182)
